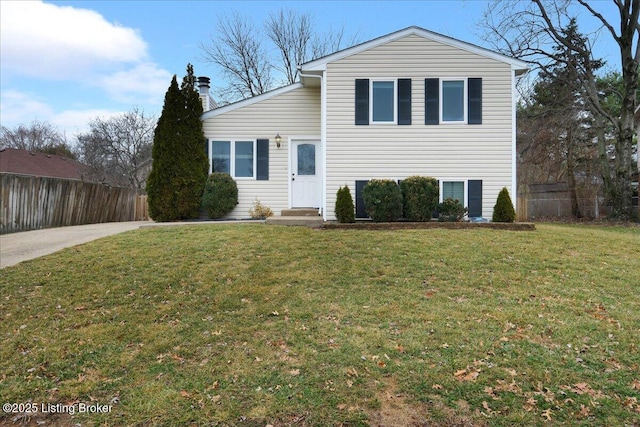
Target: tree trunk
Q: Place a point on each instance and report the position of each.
(571, 177)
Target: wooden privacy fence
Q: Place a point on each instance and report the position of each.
(31, 203)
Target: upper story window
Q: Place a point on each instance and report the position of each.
(453, 100)
(383, 101)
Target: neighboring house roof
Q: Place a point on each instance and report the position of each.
(23, 162)
(319, 64)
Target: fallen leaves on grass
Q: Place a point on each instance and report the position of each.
(584, 388)
(468, 374)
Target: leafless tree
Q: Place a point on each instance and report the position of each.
(246, 61)
(118, 149)
(528, 30)
(239, 52)
(37, 136)
(291, 33)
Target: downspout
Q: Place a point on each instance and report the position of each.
(323, 138)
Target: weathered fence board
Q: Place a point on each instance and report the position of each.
(31, 203)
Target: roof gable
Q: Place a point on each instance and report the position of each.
(320, 64)
(249, 101)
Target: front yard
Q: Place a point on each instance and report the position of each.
(249, 325)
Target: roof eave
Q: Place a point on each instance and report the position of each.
(320, 64)
(250, 101)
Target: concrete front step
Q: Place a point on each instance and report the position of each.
(299, 212)
(309, 221)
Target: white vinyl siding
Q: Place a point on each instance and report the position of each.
(294, 112)
(447, 152)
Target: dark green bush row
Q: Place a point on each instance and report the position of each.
(420, 196)
(382, 200)
(417, 197)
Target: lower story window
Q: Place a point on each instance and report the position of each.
(453, 190)
(237, 158)
(221, 157)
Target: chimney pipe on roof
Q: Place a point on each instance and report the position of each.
(203, 85)
(203, 89)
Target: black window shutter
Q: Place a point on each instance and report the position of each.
(262, 173)
(206, 147)
(431, 101)
(475, 101)
(404, 101)
(475, 198)
(360, 211)
(362, 101)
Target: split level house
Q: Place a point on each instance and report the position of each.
(413, 102)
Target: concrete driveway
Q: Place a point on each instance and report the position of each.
(18, 247)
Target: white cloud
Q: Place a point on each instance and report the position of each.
(18, 108)
(15, 106)
(143, 84)
(60, 42)
(68, 65)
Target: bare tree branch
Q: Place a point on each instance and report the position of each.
(117, 149)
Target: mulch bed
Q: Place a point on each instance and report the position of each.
(367, 225)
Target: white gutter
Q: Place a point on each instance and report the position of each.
(323, 137)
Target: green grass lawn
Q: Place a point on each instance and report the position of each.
(250, 325)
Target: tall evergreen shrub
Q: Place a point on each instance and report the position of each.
(503, 210)
(382, 200)
(345, 210)
(419, 197)
(180, 164)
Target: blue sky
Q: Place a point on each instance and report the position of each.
(68, 62)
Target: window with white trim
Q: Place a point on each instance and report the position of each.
(237, 158)
(383, 101)
(453, 190)
(453, 100)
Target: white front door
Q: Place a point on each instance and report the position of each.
(305, 174)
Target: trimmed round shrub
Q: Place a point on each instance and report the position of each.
(220, 195)
(451, 210)
(419, 197)
(382, 200)
(503, 210)
(345, 210)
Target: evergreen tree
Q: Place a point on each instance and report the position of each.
(503, 210)
(345, 210)
(180, 164)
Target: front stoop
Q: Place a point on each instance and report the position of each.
(304, 217)
(299, 212)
